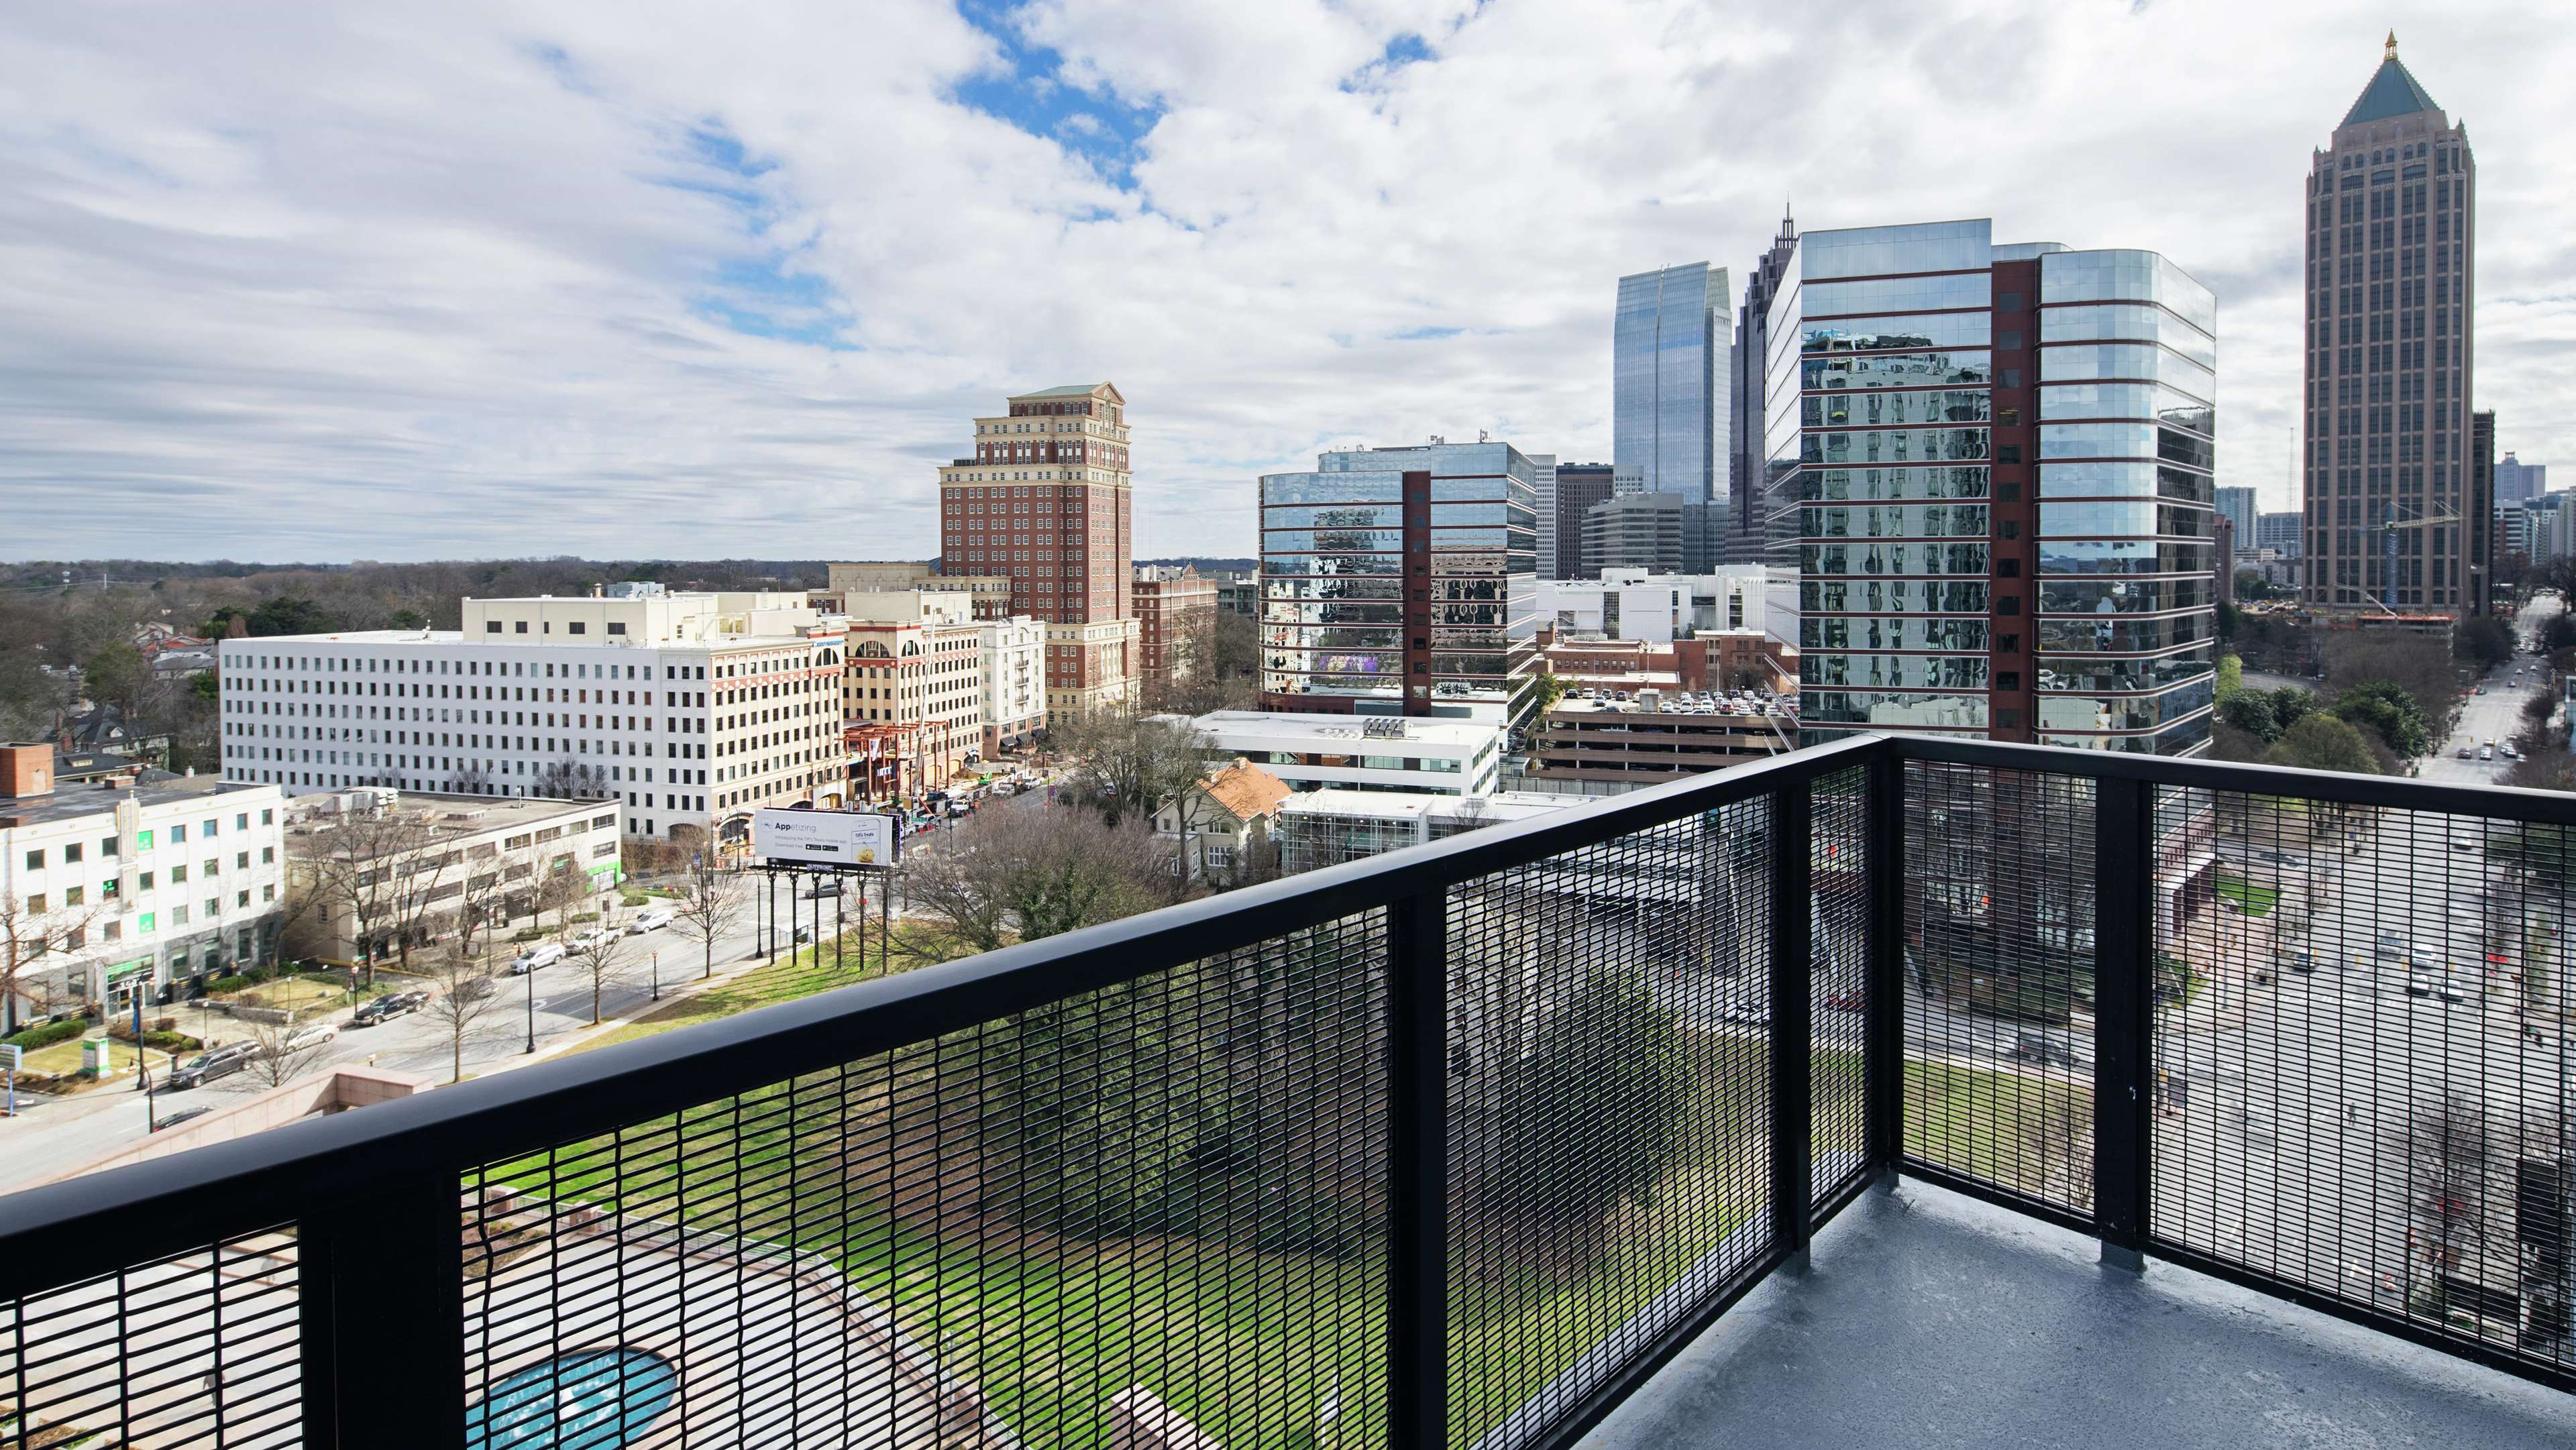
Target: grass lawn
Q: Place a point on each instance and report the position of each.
(2030, 1134)
(305, 994)
(807, 971)
(2248, 897)
(62, 1059)
(1251, 1344)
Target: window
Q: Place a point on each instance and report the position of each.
(616, 626)
(491, 626)
(521, 626)
(268, 893)
(143, 924)
(107, 848)
(36, 860)
(578, 627)
(178, 834)
(71, 852)
(75, 896)
(268, 855)
(178, 874)
(241, 898)
(144, 881)
(178, 916)
(35, 903)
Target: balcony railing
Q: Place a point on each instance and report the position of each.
(1453, 1146)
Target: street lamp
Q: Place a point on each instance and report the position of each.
(532, 1009)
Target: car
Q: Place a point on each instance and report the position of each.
(2299, 959)
(589, 936)
(313, 1035)
(2389, 948)
(1002, 787)
(213, 1063)
(2480, 690)
(2486, 752)
(543, 954)
(387, 1008)
(2467, 754)
(172, 1120)
(959, 808)
(653, 919)
(823, 890)
(1850, 999)
(2434, 985)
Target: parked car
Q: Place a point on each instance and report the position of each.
(1002, 787)
(2486, 752)
(543, 954)
(589, 936)
(824, 890)
(387, 1008)
(172, 1120)
(2467, 754)
(211, 1064)
(653, 919)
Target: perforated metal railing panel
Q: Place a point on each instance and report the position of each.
(1154, 1207)
(1838, 872)
(1608, 1109)
(2361, 1058)
(1999, 967)
(198, 1349)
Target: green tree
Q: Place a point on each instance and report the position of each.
(2386, 709)
(2230, 620)
(1593, 1115)
(2292, 704)
(2322, 742)
(287, 615)
(2251, 712)
(114, 675)
(409, 619)
(2558, 632)
(2231, 676)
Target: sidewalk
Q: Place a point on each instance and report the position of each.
(682, 992)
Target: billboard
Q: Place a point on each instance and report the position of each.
(826, 838)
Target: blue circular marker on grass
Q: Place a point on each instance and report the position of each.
(599, 1399)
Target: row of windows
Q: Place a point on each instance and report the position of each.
(72, 853)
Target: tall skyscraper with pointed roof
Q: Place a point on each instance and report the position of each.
(2395, 513)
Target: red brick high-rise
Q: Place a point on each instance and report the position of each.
(1046, 501)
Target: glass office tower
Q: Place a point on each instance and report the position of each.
(1670, 380)
(1996, 489)
(1402, 581)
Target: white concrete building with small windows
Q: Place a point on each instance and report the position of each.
(130, 888)
(689, 710)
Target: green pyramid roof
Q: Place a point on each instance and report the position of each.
(2392, 92)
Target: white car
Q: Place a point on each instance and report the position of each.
(2426, 984)
(589, 936)
(652, 920)
(312, 1036)
(543, 954)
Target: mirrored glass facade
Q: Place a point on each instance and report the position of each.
(1960, 565)
(1401, 581)
(1670, 380)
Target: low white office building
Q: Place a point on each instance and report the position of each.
(1437, 755)
(1321, 828)
(1655, 608)
(690, 710)
(146, 887)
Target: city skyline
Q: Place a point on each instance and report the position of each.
(630, 298)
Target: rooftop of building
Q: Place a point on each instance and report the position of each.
(1393, 805)
(1753, 703)
(2393, 91)
(451, 814)
(1351, 729)
(1245, 791)
(73, 800)
(1066, 390)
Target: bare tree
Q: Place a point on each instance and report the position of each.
(361, 869)
(33, 928)
(2448, 1149)
(461, 992)
(286, 1050)
(1127, 764)
(602, 958)
(561, 888)
(1009, 876)
(711, 901)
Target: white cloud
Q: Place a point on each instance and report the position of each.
(399, 281)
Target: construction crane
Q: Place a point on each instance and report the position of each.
(2388, 531)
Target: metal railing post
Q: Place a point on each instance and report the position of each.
(1884, 1043)
(1792, 1045)
(1417, 1081)
(2124, 945)
(382, 1302)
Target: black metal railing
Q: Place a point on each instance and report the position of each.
(1453, 1146)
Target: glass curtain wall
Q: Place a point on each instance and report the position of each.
(2128, 357)
(1879, 439)
(1670, 380)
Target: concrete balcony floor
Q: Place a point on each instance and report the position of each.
(1932, 1320)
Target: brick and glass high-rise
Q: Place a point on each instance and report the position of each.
(2391, 497)
(1994, 498)
(1046, 501)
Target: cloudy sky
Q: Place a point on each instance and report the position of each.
(358, 280)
